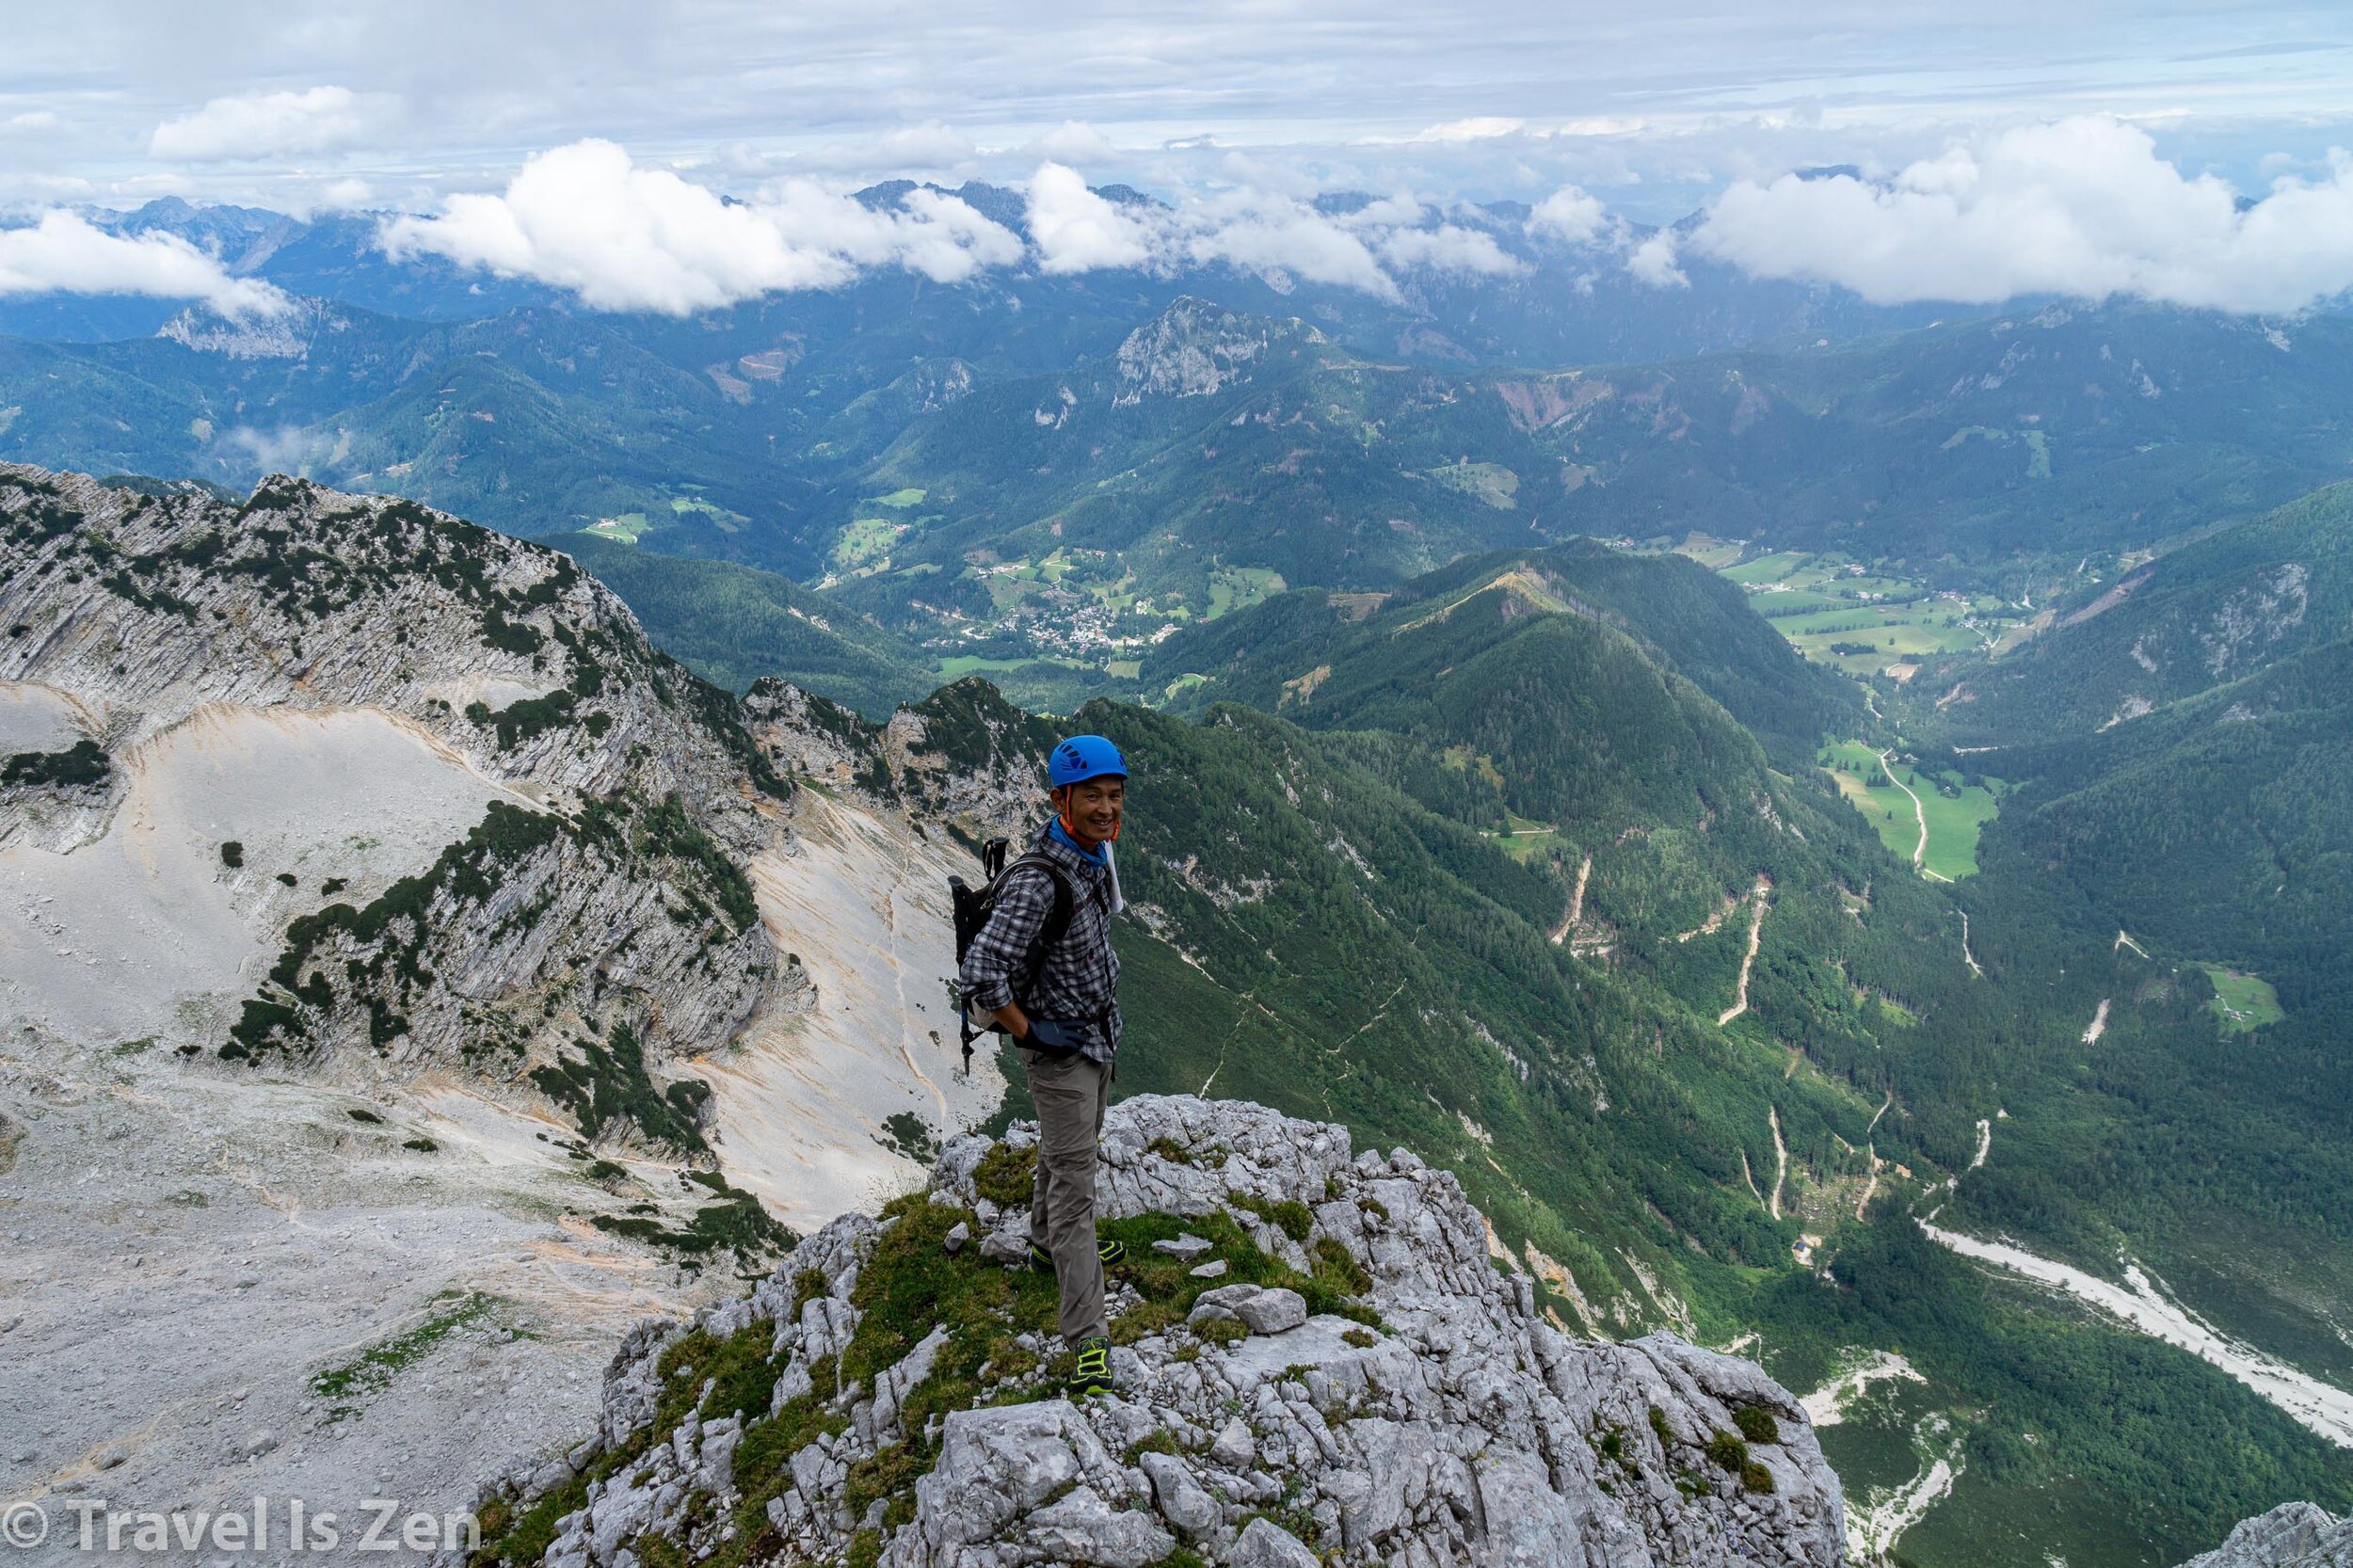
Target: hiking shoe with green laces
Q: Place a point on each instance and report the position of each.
(1109, 1252)
(1093, 1375)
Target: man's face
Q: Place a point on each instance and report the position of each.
(1093, 806)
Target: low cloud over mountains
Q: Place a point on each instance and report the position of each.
(2084, 208)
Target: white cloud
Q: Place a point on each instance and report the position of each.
(345, 195)
(64, 253)
(31, 121)
(1076, 231)
(625, 238)
(1259, 230)
(1269, 233)
(1279, 176)
(1074, 141)
(1570, 214)
(1390, 212)
(44, 190)
(896, 152)
(268, 125)
(1654, 262)
(1486, 127)
(2081, 206)
(1448, 248)
(283, 450)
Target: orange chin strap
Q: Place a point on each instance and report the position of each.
(1072, 828)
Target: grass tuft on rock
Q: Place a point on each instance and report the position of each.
(1005, 1175)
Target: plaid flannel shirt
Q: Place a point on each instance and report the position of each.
(1078, 980)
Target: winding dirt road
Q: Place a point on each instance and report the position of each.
(1576, 904)
(1756, 929)
(1919, 812)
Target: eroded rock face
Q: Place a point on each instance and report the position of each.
(963, 755)
(1462, 1430)
(1193, 350)
(2293, 1535)
(598, 907)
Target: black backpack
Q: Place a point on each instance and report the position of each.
(974, 907)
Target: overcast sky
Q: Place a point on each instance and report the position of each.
(1654, 109)
(1651, 103)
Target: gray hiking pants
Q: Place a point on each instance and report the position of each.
(1070, 1091)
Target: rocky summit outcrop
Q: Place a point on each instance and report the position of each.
(1194, 348)
(2293, 1535)
(1317, 1363)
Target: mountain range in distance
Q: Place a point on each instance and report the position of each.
(1039, 484)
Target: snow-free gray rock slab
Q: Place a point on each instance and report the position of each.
(34, 717)
(1262, 1310)
(116, 939)
(1264, 1545)
(1316, 1342)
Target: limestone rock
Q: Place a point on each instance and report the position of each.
(1261, 1310)
(503, 657)
(1008, 1244)
(2293, 1535)
(1234, 1447)
(1179, 1497)
(1267, 1545)
(1461, 1431)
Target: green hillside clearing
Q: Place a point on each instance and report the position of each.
(2245, 1002)
(1953, 811)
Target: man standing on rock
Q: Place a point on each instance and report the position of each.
(1044, 968)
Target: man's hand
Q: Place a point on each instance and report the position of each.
(1016, 1022)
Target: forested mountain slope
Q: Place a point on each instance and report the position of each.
(2065, 429)
(1419, 658)
(1052, 483)
(1173, 454)
(2179, 747)
(2190, 621)
(733, 624)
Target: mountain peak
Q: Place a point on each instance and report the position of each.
(1351, 1373)
(1196, 347)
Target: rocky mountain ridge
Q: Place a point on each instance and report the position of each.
(1363, 1387)
(600, 895)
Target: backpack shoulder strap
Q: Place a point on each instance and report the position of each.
(1057, 919)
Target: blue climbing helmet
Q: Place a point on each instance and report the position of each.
(1085, 757)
